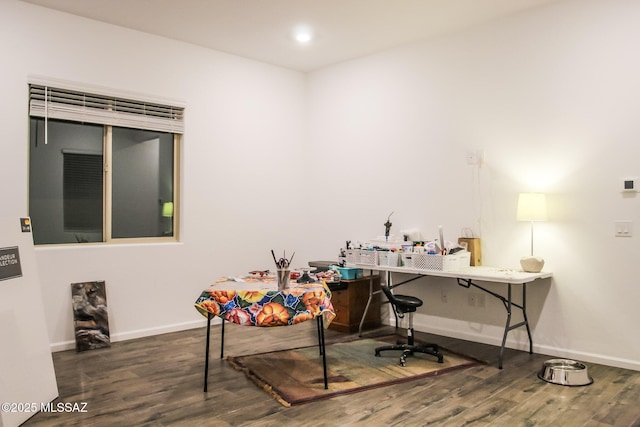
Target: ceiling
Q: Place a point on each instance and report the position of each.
(261, 29)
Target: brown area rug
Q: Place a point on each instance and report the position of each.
(295, 376)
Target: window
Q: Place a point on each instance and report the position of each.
(102, 169)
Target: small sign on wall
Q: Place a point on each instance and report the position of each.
(90, 318)
(10, 267)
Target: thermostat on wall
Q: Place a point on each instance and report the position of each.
(630, 185)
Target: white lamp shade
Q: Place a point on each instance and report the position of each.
(532, 207)
(167, 209)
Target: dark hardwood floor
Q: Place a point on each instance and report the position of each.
(157, 381)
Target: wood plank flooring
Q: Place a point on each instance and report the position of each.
(157, 381)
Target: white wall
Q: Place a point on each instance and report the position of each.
(245, 126)
(551, 97)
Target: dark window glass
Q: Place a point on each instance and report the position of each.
(54, 184)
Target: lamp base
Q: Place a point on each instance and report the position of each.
(532, 264)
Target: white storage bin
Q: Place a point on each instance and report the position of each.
(388, 259)
(368, 257)
(407, 259)
(453, 262)
(353, 256)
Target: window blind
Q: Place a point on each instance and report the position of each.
(82, 191)
(78, 106)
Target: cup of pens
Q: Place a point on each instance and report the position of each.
(283, 276)
(283, 273)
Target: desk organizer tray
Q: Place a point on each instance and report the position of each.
(348, 273)
(437, 262)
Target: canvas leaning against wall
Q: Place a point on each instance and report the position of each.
(90, 319)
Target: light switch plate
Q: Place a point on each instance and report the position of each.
(630, 184)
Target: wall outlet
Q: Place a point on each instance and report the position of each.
(472, 158)
(443, 296)
(481, 301)
(624, 228)
(472, 299)
(475, 158)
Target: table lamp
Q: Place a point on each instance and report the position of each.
(532, 207)
(167, 212)
(167, 209)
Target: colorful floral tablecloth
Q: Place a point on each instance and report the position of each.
(256, 301)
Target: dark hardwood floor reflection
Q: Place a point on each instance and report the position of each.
(157, 381)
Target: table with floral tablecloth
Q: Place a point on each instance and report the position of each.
(257, 301)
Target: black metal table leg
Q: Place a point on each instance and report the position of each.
(506, 327)
(508, 306)
(206, 356)
(524, 315)
(208, 345)
(222, 341)
(322, 350)
(319, 328)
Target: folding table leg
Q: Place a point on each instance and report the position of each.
(322, 349)
(206, 356)
(222, 341)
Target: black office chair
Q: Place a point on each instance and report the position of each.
(403, 304)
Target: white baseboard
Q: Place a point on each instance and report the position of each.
(140, 333)
(588, 357)
(486, 334)
(517, 339)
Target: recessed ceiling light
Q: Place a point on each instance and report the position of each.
(303, 37)
(303, 34)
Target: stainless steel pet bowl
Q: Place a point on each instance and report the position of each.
(565, 372)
